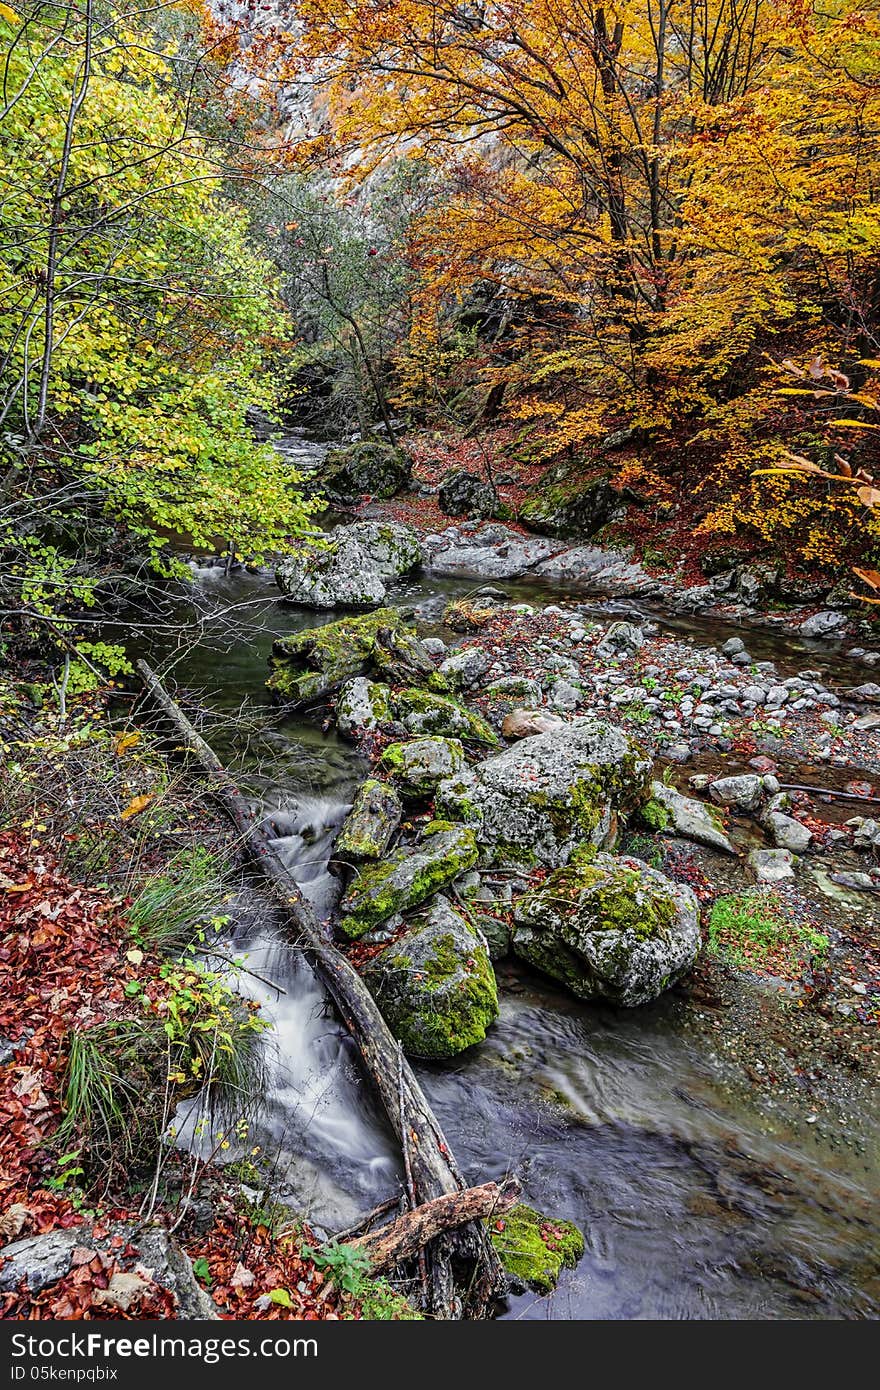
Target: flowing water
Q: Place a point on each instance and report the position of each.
(694, 1203)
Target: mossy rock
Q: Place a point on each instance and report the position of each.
(368, 466)
(423, 712)
(549, 794)
(420, 765)
(307, 665)
(568, 506)
(406, 878)
(362, 705)
(435, 984)
(367, 830)
(609, 928)
(534, 1249)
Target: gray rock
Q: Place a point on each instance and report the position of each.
(419, 766)
(365, 467)
(733, 645)
(435, 984)
(465, 494)
(44, 1259)
(620, 638)
(870, 692)
(777, 696)
(867, 833)
(771, 865)
(692, 819)
(335, 574)
(435, 646)
(393, 547)
(565, 696)
(498, 560)
(537, 800)
(787, 832)
(823, 624)
(362, 705)
(743, 793)
(610, 928)
(464, 668)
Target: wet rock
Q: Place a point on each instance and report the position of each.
(366, 467)
(609, 928)
(692, 819)
(375, 814)
(824, 624)
(435, 984)
(419, 766)
(465, 494)
(528, 723)
(362, 705)
(537, 800)
(787, 832)
(534, 1249)
(407, 877)
(464, 668)
(743, 793)
(422, 712)
(771, 865)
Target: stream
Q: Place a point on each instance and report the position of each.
(694, 1203)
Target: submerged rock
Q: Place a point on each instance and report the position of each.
(407, 877)
(435, 984)
(375, 814)
(362, 704)
(536, 801)
(420, 765)
(424, 713)
(609, 928)
(691, 819)
(534, 1249)
(365, 467)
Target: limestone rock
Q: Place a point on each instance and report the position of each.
(419, 766)
(609, 928)
(362, 705)
(422, 712)
(743, 793)
(375, 814)
(365, 467)
(692, 819)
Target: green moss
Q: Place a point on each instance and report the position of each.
(378, 1302)
(534, 1248)
(404, 880)
(418, 766)
(307, 664)
(619, 901)
(654, 814)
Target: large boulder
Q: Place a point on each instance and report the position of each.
(367, 467)
(609, 928)
(366, 832)
(418, 767)
(465, 494)
(309, 665)
(422, 712)
(349, 567)
(535, 802)
(362, 705)
(569, 506)
(435, 984)
(407, 877)
(334, 572)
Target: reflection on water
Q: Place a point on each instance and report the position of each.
(691, 1208)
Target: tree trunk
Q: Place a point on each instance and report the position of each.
(434, 1170)
(403, 1238)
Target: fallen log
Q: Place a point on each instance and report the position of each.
(403, 1238)
(433, 1169)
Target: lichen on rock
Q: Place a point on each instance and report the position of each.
(407, 877)
(423, 712)
(418, 767)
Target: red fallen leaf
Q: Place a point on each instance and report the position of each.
(82, 1255)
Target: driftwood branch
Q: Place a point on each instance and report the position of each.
(433, 1169)
(403, 1239)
